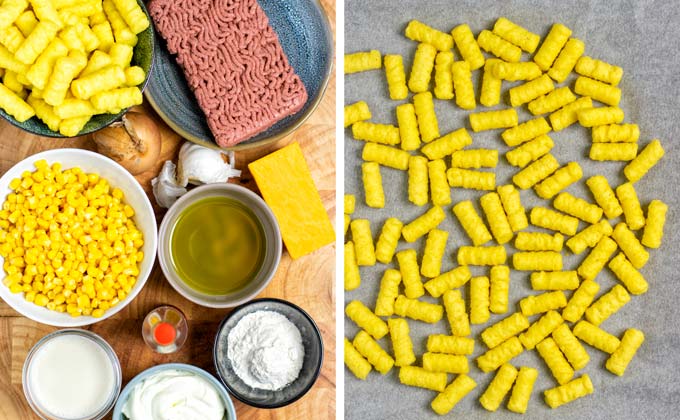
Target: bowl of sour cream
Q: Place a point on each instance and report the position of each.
(174, 391)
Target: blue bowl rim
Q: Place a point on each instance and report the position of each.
(228, 404)
(315, 376)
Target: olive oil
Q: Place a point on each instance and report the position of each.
(217, 245)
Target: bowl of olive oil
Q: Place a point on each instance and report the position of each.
(219, 245)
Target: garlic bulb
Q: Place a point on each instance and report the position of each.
(200, 165)
(165, 187)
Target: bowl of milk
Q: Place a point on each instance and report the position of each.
(71, 374)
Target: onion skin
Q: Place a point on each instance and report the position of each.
(135, 142)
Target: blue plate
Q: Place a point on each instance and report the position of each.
(304, 34)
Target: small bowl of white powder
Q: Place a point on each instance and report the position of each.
(268, 353)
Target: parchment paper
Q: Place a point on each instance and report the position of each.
(640, 36)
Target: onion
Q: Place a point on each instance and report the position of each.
(135, 142)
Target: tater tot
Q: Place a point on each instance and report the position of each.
(632, 210)
(454, 392)
(361, 61)
(532, 305)
(124, 35)
(134, 76)
(104, 34)
(540, 329)
(462, 85)
(418, 31)
(630, 343)
(467, 46)
(410, 273)
(526, 131)
(12, 38)
(355, 361)
(70, 127)
(365, 319)
(408, 127)
(459, 323)
(580, 300)
(435, 245)
(371, 350)
(566, 60)
(647, 158)
(113, 101)
(569, 345)
(528, 152)
(598, 91)
(10, 11)
(521, 391)
(554, 280)
(613, 151)
(552, 101)
(598, 257)
(591, 117)
(577, 388)
(447, 144)
(596, 337)
(439, 184)
(349, 203)
(492, 398)
(498, 221)
(536, 172)
(559, 180)
(357, 111)
(8, 62)
(36, 42)
(421, 71)
(491, 120)
(628, 275)
(401, 342)
(363, 241)
(517, 35)
(568, 114)
(481, 255)
(423, 224)
(599, 70)
(656, 219)
(589, 237)
(475, 180)
(26, 22)
(98, 60)
(352, 276)
(102, 80)
(530, 90)
(550, 219)
(44, 112)
(418, 180)
(448, 363)
(578, 207)
(504, 329)
(418, 310)
(427, 119)
(499, 47)
(385, 155)
(443, 78)
(373, 189)
(474, 158)
(502, 353)
(539, 241)
(524, 70)
(490, 92)
(557, 363)
(396, 77)
(450, 344)
(616, 133)
(552, 45)
(472, 223)
(133, 14)
(512, 205)
(608, 304)
(74, 108)
(604, 196)
(450, 280)
(499, 278)
(479, 300)
(389, 290)
(121, 54)
(12, 104)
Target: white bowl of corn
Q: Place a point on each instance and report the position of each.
(77, 237)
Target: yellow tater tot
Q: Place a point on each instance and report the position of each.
(12, 83)
(40, 72)
(124, 35)
(435, 245)
(531, 90)
(121, 54)
(462, 85)
(505, 329)
(568, 114)
(418, 191)
(498, 221)
(517, 35)
(447, 144)
(439, 185)
(8, 62)
(421, 71)
(443, 78)
(539, 241)
(98, 60)
(580, 300)
(26, 22)
(365, 319)
(656, 219)
(373, 189)
(521, 391)
(630, 342)
(113, 101)
(447, 281)
(454, 392)
(550, 219)
(472, 223)
(599, 70)
(355, 361)
(371, 350)
(389, 290)
(396, 78)
(469, 179)
(479, 300)
(557, 363)
(524, 70)
(536, 172)
(578, 207)
(377, 133)
(596, 337)
(134, 76)
(540, 329)
(45, 112)
(474, 158)
(526, 131)
(481, 255)
(65, 70)
(450, 344)
(602, 92)
(349, 203)
(71, 38)
(589, 237)
(410, 273)
(74, 108)
(352, 277)
(569, 345)
(418, 310)
(459, 323)
(359, 61)
(10, 11)
(104, 34)
(363, 241)
(492, 398)
(608, 304)
(490, 92)
(512, 205)
(632, 210)
(552, 101)
(401, 342)
(467, 46)
(99, 81)
(499, 47)
(419, 377)
(628, 275)
(591, 117)
(427, 119)
(418, 31)
(11, 38)
(408, 127)
(554, 280)
(598, 257)
(577, 388)
(447, 363)
(491, 120)
(616, 133)
(604, 196)
(133, 14)
(533, 305)
(499, 355)
(70, 127)
(12, 104)
(566, 60)
(423, 224)
(647, 158)
(561, 179)
(386, 156)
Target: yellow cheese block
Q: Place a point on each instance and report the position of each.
(287, 186)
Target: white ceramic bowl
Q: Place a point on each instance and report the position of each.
(117, 176)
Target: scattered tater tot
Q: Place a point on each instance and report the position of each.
(435, 245)
(481, 255)
(517, 35)
(656, 219)
(472, 223)
(445, 401)
(448, 363)
(589, 237)
(418, 310)
(530, 90)
(504, 329)
(427, 119)
(532, 305)
(421, 32)
(578, 207)
(540, 329)
(577, 388)
(462, 85)
(630, 342)
(499, 355)
(616, 133)
(408, 127)
(613, 151)
(418, 191)
(647, 158)
(439, 184)
(599, 70)
(410, 273)
(608, 304)
(361, 61)
(552, 101)
(559, 180)
(371, 350)
(580, 300)
(499, 47)
(459, 323)
(526, 131)
(512, 205)
(499, 278)
(474, 158)
(557, 363)
(591, 117)
(467, 46)
(552, 45)
(628, 275)
(498, 221)
(447, 281)
(366, 320)
(363, 241)
(475, 180)
(521, 391)
(525, 70)
(401, 342)
(447, 144)
(568, 114)
(490, 92)
(450, 344)
(389, 290)
(554, 280)
(536, 172)
(355, 361)
(386, 156)
(358, 111)
(423, 63)
(598, 91)
(569, 345)
(592, 265)
(479, 300)
(492, 398)
(632, 210)
(443, 78)
(604, 196)
(423, 224)
(596, 337)
(550, 219)
(373, 189)
(539, 241)
(566, 60)
(491, 120)
(349, 203)
(396, 77)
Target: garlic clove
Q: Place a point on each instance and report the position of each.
(165, 187)
(200, 165)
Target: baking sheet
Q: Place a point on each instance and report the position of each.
(642, 38)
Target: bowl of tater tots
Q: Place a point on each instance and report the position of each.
(72, 67)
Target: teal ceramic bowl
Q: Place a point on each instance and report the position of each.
(143, 55)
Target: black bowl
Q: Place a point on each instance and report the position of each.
(311, 365)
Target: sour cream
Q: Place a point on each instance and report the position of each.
(174, 395)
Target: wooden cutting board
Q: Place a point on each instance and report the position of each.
(307, 282)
